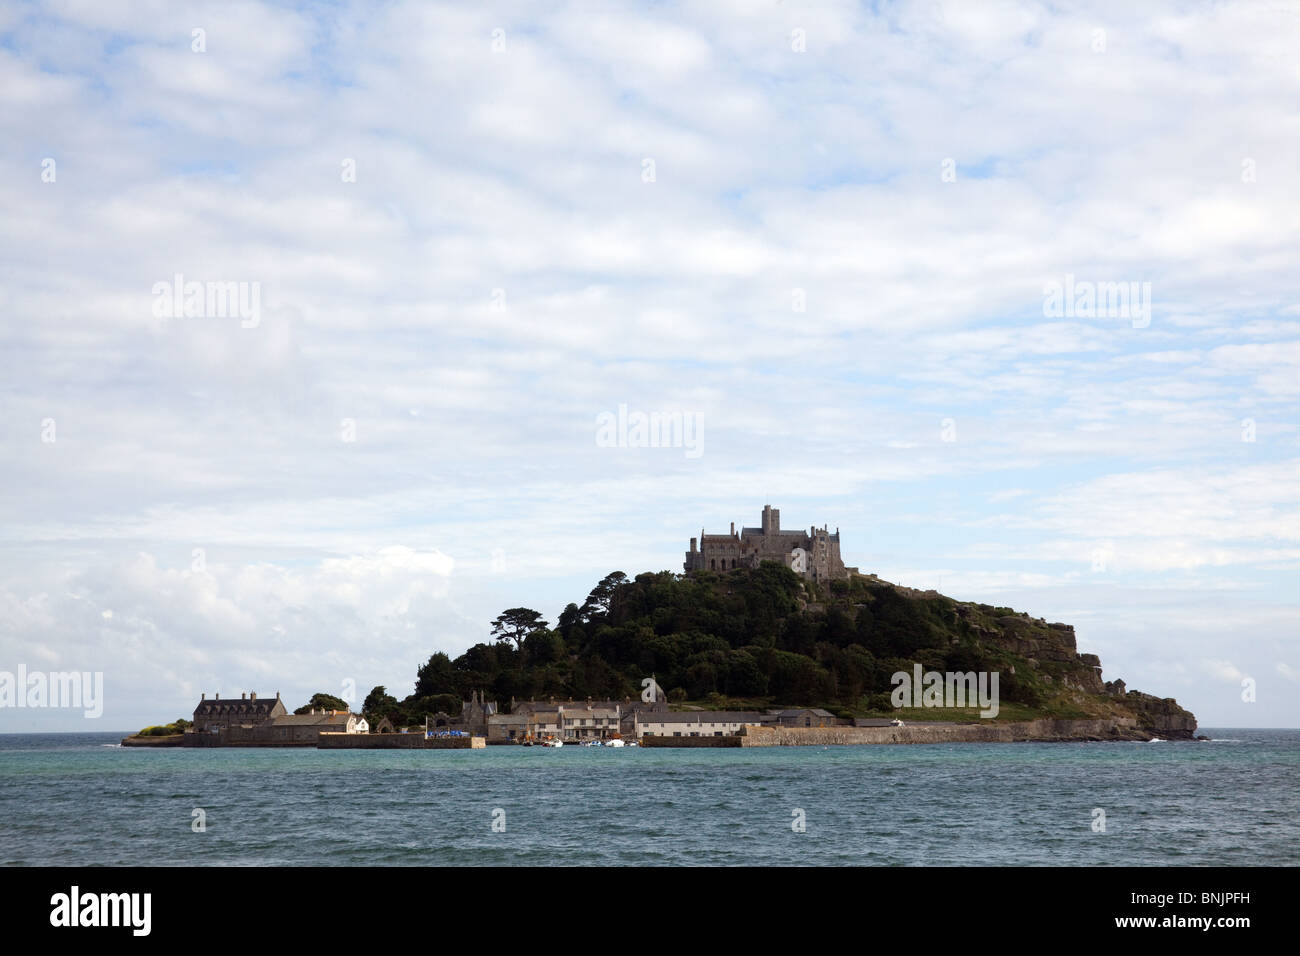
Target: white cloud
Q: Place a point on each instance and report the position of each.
(1223, 670)
(522, 171)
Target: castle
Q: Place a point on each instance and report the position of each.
(814, 553)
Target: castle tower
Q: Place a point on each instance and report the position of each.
(814, 553)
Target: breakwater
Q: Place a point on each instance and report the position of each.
(171, 740)
(328, 741)
(1119, 728)
(397, 742)
(657, 741)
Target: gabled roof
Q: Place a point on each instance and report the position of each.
(236, 707)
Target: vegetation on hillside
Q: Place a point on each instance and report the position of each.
(754, 637)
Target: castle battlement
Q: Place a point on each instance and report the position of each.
(814, 553)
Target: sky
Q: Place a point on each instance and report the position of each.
(461, 237)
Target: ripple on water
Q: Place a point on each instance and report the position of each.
(958, 805)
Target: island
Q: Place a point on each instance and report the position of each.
(767, 638)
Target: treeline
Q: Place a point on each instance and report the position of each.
(743, 635)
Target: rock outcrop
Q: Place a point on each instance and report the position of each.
(1161, 716)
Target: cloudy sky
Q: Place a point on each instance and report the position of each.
(823, 233)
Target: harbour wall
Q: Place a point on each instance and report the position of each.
(397, 742)
(171, 740)
(657, 741)
(1119, 728)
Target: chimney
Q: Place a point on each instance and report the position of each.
(243, 696)
(733, 529)
(217, 696)
(253, 696)
(277, 695)
(692, 545)
(203, 696)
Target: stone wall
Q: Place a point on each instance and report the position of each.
(398, 742)
(170, 740)
(1122, 728)
(225, 739)
(658, 741)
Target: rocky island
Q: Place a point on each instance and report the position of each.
(767, 636)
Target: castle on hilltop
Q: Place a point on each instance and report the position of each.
(814, 553)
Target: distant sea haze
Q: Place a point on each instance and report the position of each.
(80, 799)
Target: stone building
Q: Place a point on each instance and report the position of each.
(590, 721)
(574, 720)
(814, 553)
(699, 723)
(806, 717)
(215, 715)
(474, 714)
(305, 729)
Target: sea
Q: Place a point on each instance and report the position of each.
(84, 800)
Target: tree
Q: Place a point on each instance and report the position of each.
(516, 624)
(435, 677)
(322, 702)
(379, 703)
(598, 601)
(544, 647)
(569, 617)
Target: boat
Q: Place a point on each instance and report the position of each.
(553, 742)
(615, 742)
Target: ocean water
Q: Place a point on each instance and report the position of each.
(81, 799)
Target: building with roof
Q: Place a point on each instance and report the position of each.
(814, 554)
(474, 714)
(533, 723)
(570, 720)
(697, 723)
(306, 728)
(590, 721)
(806, 717)
(213, 716)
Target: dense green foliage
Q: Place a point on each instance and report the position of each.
(750, 635)
(166, 730)
(323, 702)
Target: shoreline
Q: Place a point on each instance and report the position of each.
(1043, 730)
